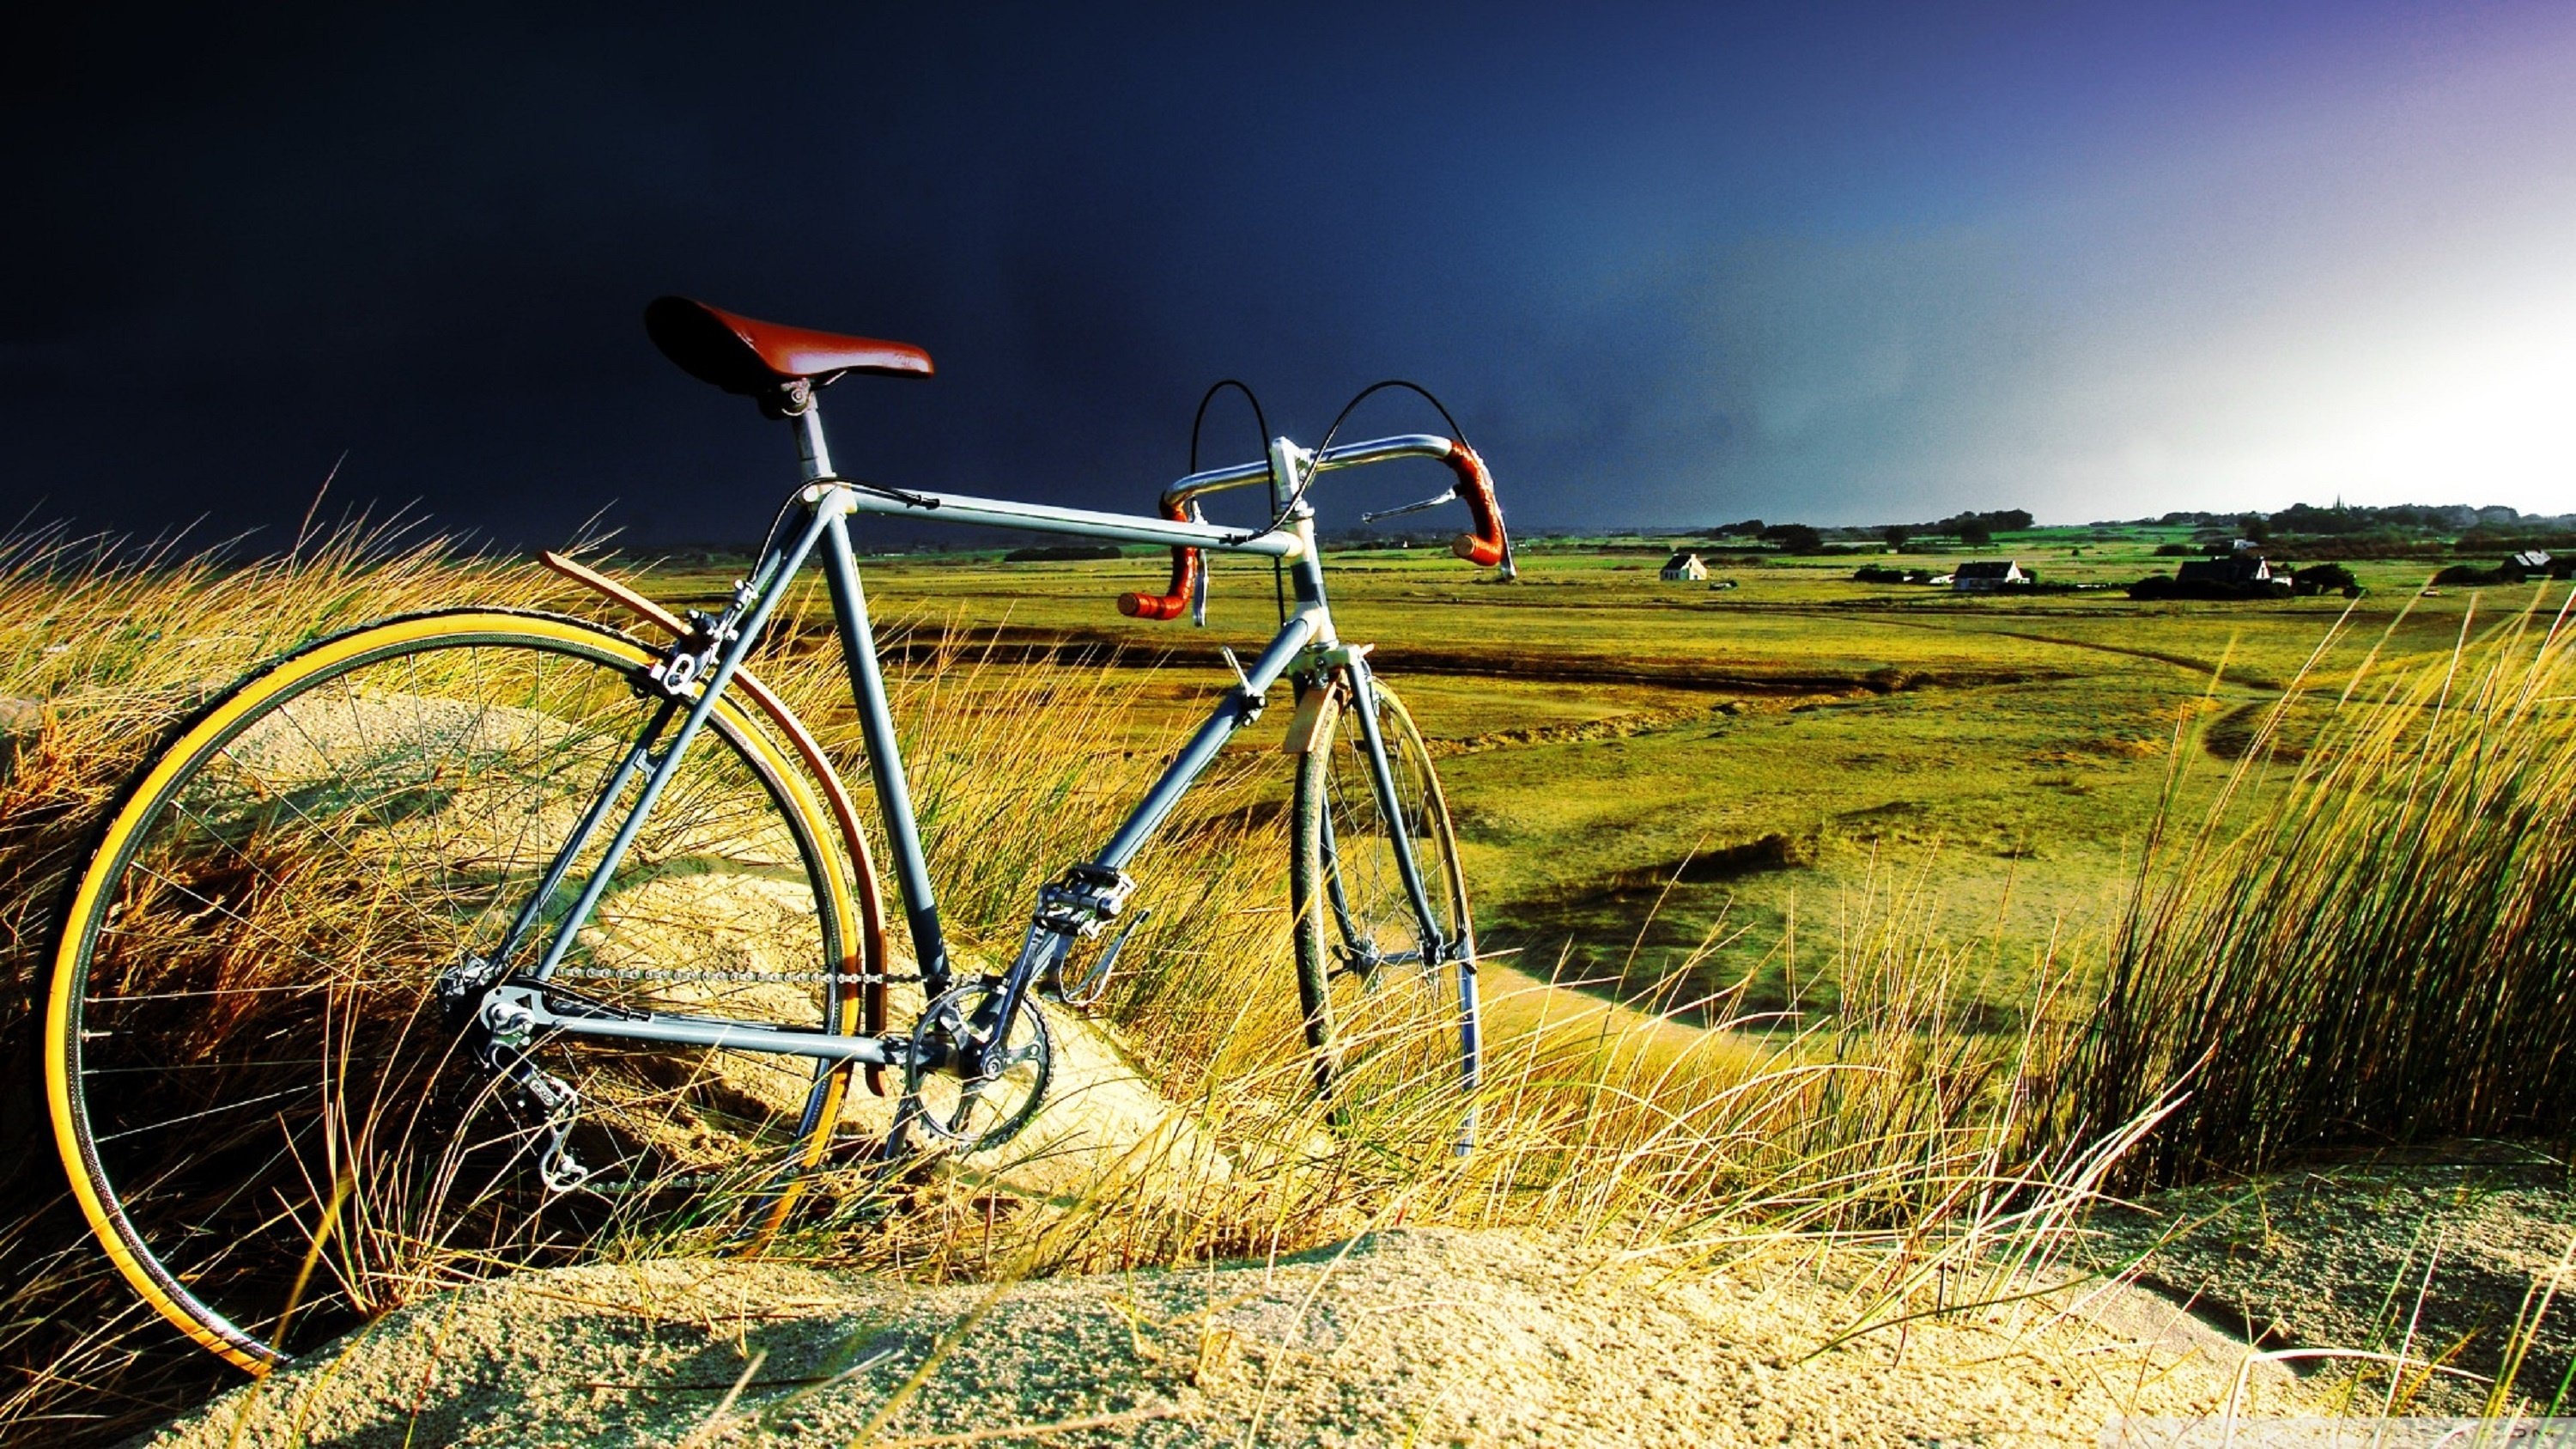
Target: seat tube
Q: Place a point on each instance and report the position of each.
(885, 758)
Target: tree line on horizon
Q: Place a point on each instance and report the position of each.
(2338, 529)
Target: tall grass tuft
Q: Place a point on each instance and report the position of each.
(116, 643)
(2371, 937)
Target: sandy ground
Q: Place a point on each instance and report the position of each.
(1436, 1337)
(2434, 1254)
(1416, 1336)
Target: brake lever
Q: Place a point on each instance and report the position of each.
(1434, 501)
(908, 500)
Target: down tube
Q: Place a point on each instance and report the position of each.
(1232, 715)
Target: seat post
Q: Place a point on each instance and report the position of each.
(810, 447)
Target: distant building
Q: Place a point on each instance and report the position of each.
(2237, 570)
(2533, 563)
(2237, 576)
(1987, 575)
(1684, 568)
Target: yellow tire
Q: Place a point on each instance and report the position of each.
(270, 1123)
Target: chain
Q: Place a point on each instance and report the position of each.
(658, 973)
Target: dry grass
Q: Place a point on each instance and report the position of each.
(1898, 1123)
(121, 644)
(2370, 938)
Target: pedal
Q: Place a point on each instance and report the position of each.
(1084, 993)
(1076, 904)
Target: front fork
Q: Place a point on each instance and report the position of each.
(1437, 948)
(1390, 808)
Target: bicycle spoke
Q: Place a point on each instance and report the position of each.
(259, 1039)
(1392, 1040)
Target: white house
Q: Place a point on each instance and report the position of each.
(1684, 568)
(1986, 575)
(2237, 570)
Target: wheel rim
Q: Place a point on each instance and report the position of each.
(273, 1115)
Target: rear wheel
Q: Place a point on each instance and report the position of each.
(1387, 982)
(272, 1126)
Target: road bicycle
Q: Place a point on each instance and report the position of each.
(475, 939)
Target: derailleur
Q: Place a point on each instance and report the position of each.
(497, 1034)
(559, 1105)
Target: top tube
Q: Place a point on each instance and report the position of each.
(1139, 528)
(1080, 522)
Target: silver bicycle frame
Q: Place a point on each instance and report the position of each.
(828, 501)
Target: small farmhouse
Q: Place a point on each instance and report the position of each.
(1684, 568)
(1988, 574)
(2237, 570)
(2240, 575)
(2531, 563)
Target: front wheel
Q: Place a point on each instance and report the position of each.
(273, 1126)
(1386, 948)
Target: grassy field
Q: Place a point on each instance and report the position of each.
(1898, 833)
(1879, 1128)
(1650, 774)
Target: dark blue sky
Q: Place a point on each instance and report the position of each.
(1668, 264)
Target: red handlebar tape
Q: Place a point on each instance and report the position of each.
(1485, 546)
(1174, 601)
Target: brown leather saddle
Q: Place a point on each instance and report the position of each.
(769, 360)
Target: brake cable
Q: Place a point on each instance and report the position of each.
(1261, 422)
(1315, 461)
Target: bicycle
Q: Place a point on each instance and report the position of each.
(480, 936)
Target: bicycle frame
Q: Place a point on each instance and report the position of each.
(696, 670)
